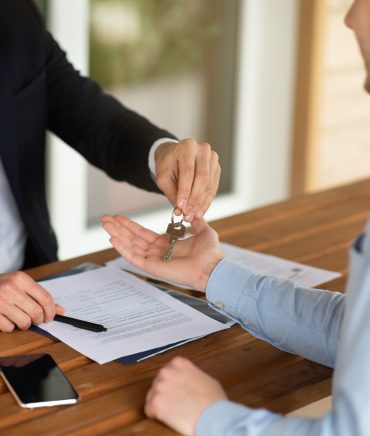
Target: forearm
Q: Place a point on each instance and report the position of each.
(351, 402)
(109, 135)
(298, 320)
(228, 418)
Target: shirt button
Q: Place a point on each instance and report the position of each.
(220, 304)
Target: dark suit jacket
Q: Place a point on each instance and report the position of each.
(40, 90)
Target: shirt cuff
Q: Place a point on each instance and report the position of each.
(220, 417)
(227, 283)
(153, 148)
(358, 243)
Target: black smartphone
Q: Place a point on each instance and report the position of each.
(36, 380)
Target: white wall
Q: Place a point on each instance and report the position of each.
(263, 123)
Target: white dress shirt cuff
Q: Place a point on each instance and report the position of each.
(153, 148)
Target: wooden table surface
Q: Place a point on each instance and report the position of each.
(315, 229)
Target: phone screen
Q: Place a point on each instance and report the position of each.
(36, 381)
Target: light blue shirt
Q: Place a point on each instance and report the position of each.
(325, 327)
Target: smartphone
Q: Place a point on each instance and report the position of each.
(35, 380)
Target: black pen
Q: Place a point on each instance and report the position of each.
(80, 323)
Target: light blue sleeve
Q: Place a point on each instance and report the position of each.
(257, 305)
(299, 320)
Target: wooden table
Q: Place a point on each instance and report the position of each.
(316, 229)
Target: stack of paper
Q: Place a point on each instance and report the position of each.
(139, 317)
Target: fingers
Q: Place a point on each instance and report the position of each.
(205, 184)
(175, 397)
(44, 300)
(190, 171)
(200, 182)
(148, 407)
(6, 325)
(29, 307)
(23, 302)
(128, 252)
(186, 153)
(136, 229)
(16, 316)
(133, 241)
(115, 230)
(125, 228)
(198, 177)
(215, 173)
(149, 261)
(153, 398)
(167, 183)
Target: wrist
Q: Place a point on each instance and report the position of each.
(163, 148)
(153, 149)
(206, 271)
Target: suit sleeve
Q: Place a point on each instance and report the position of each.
(109, 135)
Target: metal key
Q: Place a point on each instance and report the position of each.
(175, 231)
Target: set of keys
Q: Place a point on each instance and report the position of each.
(175, 230)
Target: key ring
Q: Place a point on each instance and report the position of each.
(178, 223)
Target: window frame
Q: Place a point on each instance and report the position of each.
(261, 157)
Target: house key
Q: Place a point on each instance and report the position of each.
(175, 230)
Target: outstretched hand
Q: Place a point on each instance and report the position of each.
(193, 260)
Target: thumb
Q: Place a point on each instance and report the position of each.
(59, 309)
(168, 187)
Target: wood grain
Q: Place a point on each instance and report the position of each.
(316, 229)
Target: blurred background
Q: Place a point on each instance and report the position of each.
(274, 85)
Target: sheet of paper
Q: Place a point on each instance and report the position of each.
(305, 275)
(266, 264)
(138, 316)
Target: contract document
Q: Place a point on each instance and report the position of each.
(138, 316)
(305, 275)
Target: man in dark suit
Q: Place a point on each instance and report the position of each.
(40, 90)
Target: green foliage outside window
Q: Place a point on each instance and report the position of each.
(41, 5)
(132, 41)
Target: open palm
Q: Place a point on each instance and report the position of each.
(193, 258)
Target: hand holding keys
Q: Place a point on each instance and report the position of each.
(175, 230)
